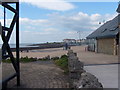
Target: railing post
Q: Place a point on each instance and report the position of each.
(17, 45)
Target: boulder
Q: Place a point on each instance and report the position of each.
(88, 80)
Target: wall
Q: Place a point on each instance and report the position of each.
(107, 46)
(92, 45)
(78, 77)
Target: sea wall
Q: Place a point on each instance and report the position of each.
(78, 77)
(39, 46)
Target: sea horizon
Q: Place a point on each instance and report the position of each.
(13, 45)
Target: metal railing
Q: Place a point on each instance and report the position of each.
(6, 34)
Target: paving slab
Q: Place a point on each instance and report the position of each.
(40, 74)
(106, 74)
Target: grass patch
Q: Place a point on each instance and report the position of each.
(26, 59)
(43, 59)
(62, 63)
(6, 61)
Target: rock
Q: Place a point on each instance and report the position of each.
(70, 51)
(79, 78)
(54, 58)
(88, 80)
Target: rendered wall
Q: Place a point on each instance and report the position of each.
(107, 46)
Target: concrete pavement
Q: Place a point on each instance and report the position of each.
(100, 65)
(107, 74)
(93, 58)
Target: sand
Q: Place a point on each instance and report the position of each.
(40, 53)
(84, 56)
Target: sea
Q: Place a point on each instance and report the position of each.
(21, 45)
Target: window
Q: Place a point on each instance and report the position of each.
(104, 30)
(113, 29)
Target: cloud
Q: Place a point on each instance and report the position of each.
(79, 21)
(71, 32)
(42, 37)
(58, 27)
(8, 21)
(1, 13)
(27, 24)
(58, 5)
(50, 30)
(28, 21)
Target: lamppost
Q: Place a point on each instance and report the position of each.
(79, 34)
(102, 22)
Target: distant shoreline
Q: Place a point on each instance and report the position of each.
(39, 46)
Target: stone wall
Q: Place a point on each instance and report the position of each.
(79, 78)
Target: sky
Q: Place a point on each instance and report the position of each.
(42, 22)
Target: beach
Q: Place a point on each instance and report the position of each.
(34, 74)
(41, 53)
(86, 57)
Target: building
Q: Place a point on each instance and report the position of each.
(106, 38)
(81, 42)
(70, 41)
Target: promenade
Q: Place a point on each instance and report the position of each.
(107, 74)
(92, 58)
(103, 66)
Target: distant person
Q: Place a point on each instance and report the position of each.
(27, 51)
(66, 46)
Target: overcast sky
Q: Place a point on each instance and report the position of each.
(54, 21)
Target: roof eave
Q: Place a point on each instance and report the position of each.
(100, 37)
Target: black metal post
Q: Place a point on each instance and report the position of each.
(17, 45)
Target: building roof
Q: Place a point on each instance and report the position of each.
(108, 30)
(118, 9)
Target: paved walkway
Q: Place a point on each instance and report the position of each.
(93, 58)
(40, 74)
(107, 74)
(100, 65)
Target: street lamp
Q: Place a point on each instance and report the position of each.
(79, 33)
(102, 22)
